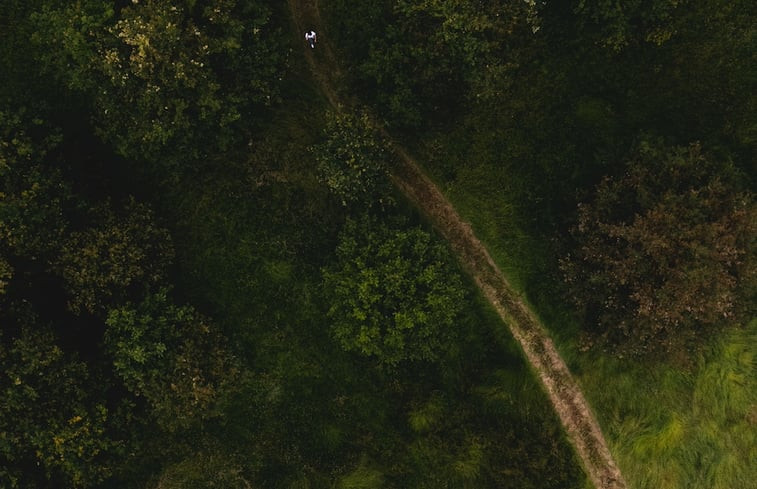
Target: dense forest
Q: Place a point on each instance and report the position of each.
(207, 278)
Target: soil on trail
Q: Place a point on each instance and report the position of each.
(574, 412)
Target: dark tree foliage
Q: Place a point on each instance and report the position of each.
(664, 252)
(6, 271)
(171, 356)
(71, 410)
(208, 469)
(353, 160)
(424, 57)
(167, 80)
(394, 295)
(632, 21)
(119, 257)
(32, 194)
(110, 376)
(52, 424)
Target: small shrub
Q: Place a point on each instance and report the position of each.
(394, 295)
(352, 160)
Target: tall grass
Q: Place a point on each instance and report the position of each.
(684, 429)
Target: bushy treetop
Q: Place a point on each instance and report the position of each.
(665, 251)
(394, 295)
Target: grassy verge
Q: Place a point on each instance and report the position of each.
(669, 426)
(675, 428)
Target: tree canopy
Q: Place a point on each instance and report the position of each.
(184, 302)
(664, 251)
(422, 58)
(171, 356)
(117, 258)
(160, 73)
(630, 22)
(353, 160)
(52, 424)
(394, 295)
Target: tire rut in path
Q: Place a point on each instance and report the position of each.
(580, 425)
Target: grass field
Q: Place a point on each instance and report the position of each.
(671, 424)
(675, 428)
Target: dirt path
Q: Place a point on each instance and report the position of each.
(572, 408)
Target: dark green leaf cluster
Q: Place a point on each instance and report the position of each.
(52, 425)
(100, 265)
(665, 252)
(32, 195)
(74, 386)
(208, 469)
(352, 161)
(164, 76)
(421, 60)
(630, 22)
(394, 295)
(171, 356)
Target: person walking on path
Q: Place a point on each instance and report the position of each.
(311, 38)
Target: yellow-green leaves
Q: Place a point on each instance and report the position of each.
(394, 295)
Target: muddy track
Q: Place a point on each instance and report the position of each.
(574, 412)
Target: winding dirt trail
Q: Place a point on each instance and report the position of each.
(565, 394)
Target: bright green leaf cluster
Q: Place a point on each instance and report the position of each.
(394, 295)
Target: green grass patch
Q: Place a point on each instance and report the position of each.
(673, 428)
